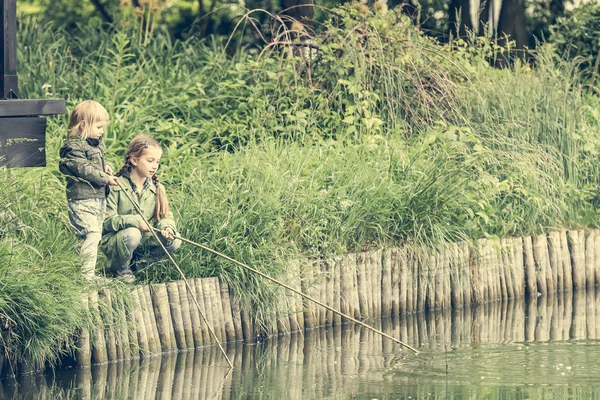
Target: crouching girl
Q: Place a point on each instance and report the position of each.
(126, 237)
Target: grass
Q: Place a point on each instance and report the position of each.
(381, 137)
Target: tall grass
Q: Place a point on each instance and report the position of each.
(380, 136)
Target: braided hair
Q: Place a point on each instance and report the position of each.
(135, 150)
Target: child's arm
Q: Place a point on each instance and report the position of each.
(74, 163)
(113, 221)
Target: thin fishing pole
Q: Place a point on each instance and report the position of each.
(295, 291)
(152, 229)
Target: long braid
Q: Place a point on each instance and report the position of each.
(162, 203)
(125, 167)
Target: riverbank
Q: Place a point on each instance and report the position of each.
(161, 318)
(384, 139)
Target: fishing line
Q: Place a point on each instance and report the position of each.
(295, 291)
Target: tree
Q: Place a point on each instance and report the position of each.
(512, 23)
(301, 11)
(459, 18)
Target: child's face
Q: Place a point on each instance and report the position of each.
(97, 129)
(147, 164)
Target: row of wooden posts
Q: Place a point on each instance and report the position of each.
(366, 286)
(325, 361)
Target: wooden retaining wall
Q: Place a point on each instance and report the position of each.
(367, 286)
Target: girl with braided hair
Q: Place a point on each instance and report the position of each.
(126, 237)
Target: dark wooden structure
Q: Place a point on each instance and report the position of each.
(22, 127)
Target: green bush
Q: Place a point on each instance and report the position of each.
(577, 37)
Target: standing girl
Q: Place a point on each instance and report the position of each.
(126, 235)
(82, 161)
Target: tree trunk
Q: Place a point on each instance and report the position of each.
(459, 18)
(301, 11)
(484, 19)
(512, 23)
(102, 10)
(557, 9)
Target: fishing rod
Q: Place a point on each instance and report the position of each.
(294, 290)
(190, 291)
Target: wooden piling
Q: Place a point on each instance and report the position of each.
(151, 333)
(420, 279)
(109, 323)
(345, 287)
(507, 267)
(590, 256)
(99, 352)
(177, 318)
(405, 279)
(195, 317)
(123, 328)
(530, 271)
(83, 354)
(152, 319)
(228, 317)
(376, 269)
(481, 292)
(597, 260)
(140, 326)
(364, 302)
(540, 256)
(215, 297)
(414, 268)
(555, 260)
(498, 267)
(130, 311)
(204, 331)
(395, 281)
(454, 271)
(235, 314)
(337, 319)
(466, 276)
(519, 262)
(329, 290)
(565, 256)
(185, 302)
(431, 281)
(386, 282)
(309, 307)
(162, 312)
(576, 247)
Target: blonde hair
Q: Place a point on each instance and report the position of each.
(84, 116)
(136, 149)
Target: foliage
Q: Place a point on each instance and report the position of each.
(37, 266)
(577, 37)
(374, 135)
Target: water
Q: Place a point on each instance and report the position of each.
(546, 348)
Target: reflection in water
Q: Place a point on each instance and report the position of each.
(543, 348)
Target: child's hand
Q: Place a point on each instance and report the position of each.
(168, 233)
(113, 180)
(108, 169)
(144, 227)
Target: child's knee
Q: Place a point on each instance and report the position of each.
(132, 237)
(174, 245)
(93, 238)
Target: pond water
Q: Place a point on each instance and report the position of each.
(544, 348)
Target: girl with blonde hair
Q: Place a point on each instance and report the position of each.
(88, 178)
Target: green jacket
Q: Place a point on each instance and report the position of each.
(121, 213)
(82, 161)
